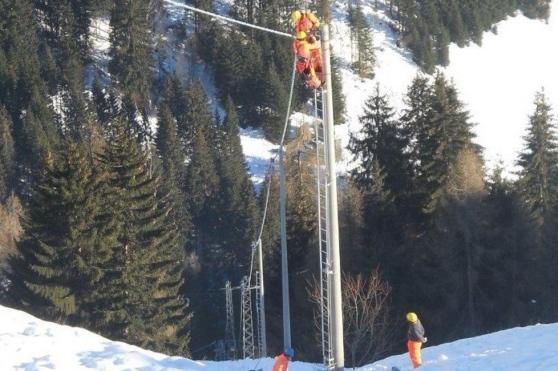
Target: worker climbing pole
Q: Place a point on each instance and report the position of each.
(313, 63)
(306, 46)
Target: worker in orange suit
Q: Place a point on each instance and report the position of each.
(302, 50)
(316, 58)
(415, 339)
(305, 21)
(282, 360)
(309, 59)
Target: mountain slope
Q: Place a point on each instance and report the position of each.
(497, 81)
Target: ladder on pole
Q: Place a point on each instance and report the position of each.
(323, 179)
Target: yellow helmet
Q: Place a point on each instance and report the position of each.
(412, 317)
(295, 16)
(301, 35)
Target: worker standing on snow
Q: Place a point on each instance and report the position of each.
(415, 339)
(282, 360)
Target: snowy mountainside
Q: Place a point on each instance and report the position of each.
(497, 81)
(31, 344)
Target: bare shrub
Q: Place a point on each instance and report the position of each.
(368, 332)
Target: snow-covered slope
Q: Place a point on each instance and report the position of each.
(497, 81)
(30, 344)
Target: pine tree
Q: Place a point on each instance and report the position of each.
(6, 154)
(379, 210)
(36, 135)
(131, 50)
(238, 210)
(539, 162)
(416, 115)
(231, 68)
(538, 183)
(363, 62)
(224, 221)
(202, 185)
(458, 243)
(382, 140)
(82, 10)
(169, 147)
(384, 178)
(59, 263)
(339, 106)
(274, 103)
(352, 229)
(152, 312)
(503, 278)
(535, 8)
(441, 130)
(194, 117)
(455, 23)
(24, 93)
(301, 226)
(270, 232)
(103, 108)
(173, 166)
(174, 96)
(58, 18)
(442, 48)
(202, 196)
(49, 70)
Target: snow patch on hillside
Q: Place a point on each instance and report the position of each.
(99, 33)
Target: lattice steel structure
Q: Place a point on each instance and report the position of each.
(248, 346)
(230, 336)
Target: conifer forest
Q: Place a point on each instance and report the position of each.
(126, 202)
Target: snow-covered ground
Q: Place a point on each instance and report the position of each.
(30, 344)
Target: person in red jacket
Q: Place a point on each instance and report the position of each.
(282, 360)
(305, 21)
(415, 339)
(309, 59)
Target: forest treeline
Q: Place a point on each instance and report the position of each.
(131, 229)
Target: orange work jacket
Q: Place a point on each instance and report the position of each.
(303, 52)
(281, 363)
(307, 22)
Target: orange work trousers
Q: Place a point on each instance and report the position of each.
(414, 352)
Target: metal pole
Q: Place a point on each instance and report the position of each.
(284, 260)
(336, 299)
(263, 337)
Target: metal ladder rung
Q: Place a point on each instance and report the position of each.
(323, 182)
